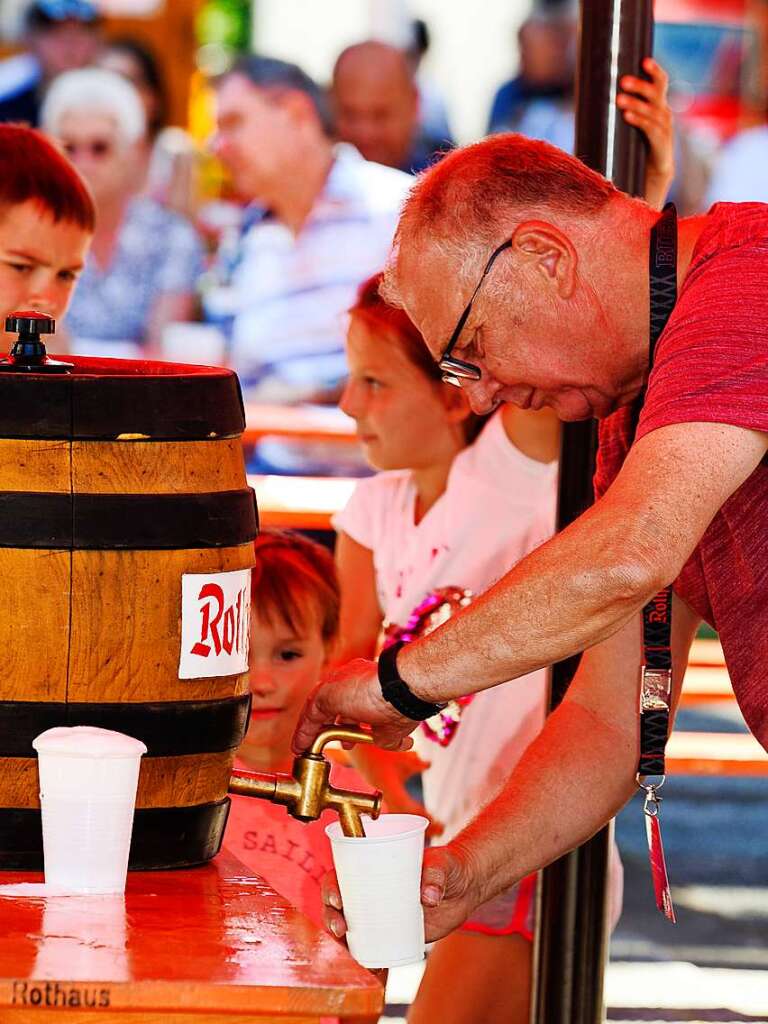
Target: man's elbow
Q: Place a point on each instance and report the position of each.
(635, 574)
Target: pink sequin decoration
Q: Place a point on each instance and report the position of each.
(436, 608)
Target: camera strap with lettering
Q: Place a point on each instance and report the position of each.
(656, 670)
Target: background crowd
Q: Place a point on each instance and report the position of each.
(315, 176)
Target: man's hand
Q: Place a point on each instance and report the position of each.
(449, 894)
(351, 693)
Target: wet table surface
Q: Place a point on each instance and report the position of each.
(207, 944)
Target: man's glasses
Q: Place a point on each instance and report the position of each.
(97, 149)
(456, 370)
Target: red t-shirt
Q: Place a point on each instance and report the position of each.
(712, 366)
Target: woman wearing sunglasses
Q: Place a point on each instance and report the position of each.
(145, 260)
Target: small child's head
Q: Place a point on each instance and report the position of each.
(294, 625)
(46, 222)
(406, 417)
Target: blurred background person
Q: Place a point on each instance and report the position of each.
(376, 107)
(538, 102)
(134, 61)
(320, 220)
(59, 35)
(144, 262)
(172, 157)
(739, 174)
(433, 110)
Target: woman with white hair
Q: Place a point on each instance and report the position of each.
(145, 260)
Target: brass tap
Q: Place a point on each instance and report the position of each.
(308, 792)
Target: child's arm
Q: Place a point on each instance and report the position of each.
(644, 105)
(360, 617)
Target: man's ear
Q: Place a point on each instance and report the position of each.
(550, 251)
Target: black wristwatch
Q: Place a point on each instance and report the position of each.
(396, 691)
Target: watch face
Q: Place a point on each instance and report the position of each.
(436, 608)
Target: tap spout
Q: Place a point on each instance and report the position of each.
(307, 792)
(350, 806)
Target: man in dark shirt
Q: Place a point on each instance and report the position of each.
(60, 35)
(376, 107)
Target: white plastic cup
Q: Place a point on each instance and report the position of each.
(380, 882)
(88, 781)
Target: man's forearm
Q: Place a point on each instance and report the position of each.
(581, 768)
(534, 616)
(563, 791)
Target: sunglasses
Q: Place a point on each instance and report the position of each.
(457, 370)
(98, 149)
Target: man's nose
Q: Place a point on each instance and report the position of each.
(481, 395)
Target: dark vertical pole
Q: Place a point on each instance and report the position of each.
(572, 932)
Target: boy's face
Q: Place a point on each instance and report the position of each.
(285, 666)
(40, 261)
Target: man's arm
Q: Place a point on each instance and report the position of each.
(568, 595)
(579, 588)
(581, 768)
(570, 782)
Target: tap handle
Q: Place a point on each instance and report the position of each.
(342, 733)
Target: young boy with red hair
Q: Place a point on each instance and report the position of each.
(46, 222)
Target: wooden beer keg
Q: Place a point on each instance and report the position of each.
(117, 479)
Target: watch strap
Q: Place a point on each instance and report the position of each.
(397, 692)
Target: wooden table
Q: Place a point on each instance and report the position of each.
(203, 945)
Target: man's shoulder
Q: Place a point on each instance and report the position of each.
(730, 226)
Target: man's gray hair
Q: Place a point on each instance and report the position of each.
(462, 206)
(95, 90)
(272, 74)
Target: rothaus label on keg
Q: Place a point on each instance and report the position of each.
(215, 616)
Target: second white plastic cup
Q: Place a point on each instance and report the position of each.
(88, 782)
(380, 882)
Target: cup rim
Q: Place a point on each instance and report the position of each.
(333, 831)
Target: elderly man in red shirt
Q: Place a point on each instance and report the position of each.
(560, 318)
